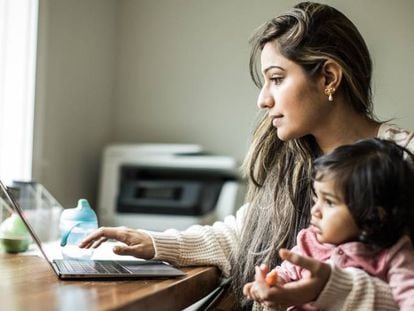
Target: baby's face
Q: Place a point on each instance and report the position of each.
(331, 218)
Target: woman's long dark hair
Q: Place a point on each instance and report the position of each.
(279, 192)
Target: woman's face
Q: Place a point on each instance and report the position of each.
(296, 103)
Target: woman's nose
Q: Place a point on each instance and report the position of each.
(265, 99)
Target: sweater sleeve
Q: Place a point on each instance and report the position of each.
(200, 245)
(400, 274)
(354, 289)
(400, 136)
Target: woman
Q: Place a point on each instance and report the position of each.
(316, 89)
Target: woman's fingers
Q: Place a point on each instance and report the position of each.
(257, 292)
(298, 292)
(288, 294)
(98, 242)
(102, 232)
(261, 272)
(306, 289)
(136, 250)
(260, 289)
(317, 268)
(137, 243)
(246, 290)
(296, 259)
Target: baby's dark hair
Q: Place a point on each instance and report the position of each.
(376, 179)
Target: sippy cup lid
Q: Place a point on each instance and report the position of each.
(82, 212)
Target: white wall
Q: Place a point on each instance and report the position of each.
(183, 67)
(176, 71)
(74, 95)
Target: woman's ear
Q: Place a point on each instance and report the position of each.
(331, 74)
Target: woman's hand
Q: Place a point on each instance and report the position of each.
(294, 293)
(259, 289)
(138, 244)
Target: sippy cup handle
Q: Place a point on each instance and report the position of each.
(65, 235)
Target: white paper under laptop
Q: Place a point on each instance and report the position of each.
(93, 269)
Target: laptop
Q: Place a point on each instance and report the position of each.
(95, 269)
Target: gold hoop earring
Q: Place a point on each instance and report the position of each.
(329, 92)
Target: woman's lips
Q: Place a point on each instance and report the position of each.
(277, 121)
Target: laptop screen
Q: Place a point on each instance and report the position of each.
(9, 202)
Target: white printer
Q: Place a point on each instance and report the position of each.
(161, 186)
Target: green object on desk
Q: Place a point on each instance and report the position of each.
(15, 245)
(14, 237)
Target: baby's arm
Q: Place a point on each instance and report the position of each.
(401, 273)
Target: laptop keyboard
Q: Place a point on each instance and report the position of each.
(88, 267)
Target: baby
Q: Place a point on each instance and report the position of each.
(362, 217)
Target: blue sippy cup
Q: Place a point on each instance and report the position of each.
(75, 224)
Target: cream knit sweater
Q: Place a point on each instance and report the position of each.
(346, 289)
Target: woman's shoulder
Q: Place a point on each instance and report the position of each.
(397, 134)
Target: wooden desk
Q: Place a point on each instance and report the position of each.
(28, 283)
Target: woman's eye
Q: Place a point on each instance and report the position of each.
(329, 202)
(276, 80)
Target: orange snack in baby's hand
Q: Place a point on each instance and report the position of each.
(271, 278)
